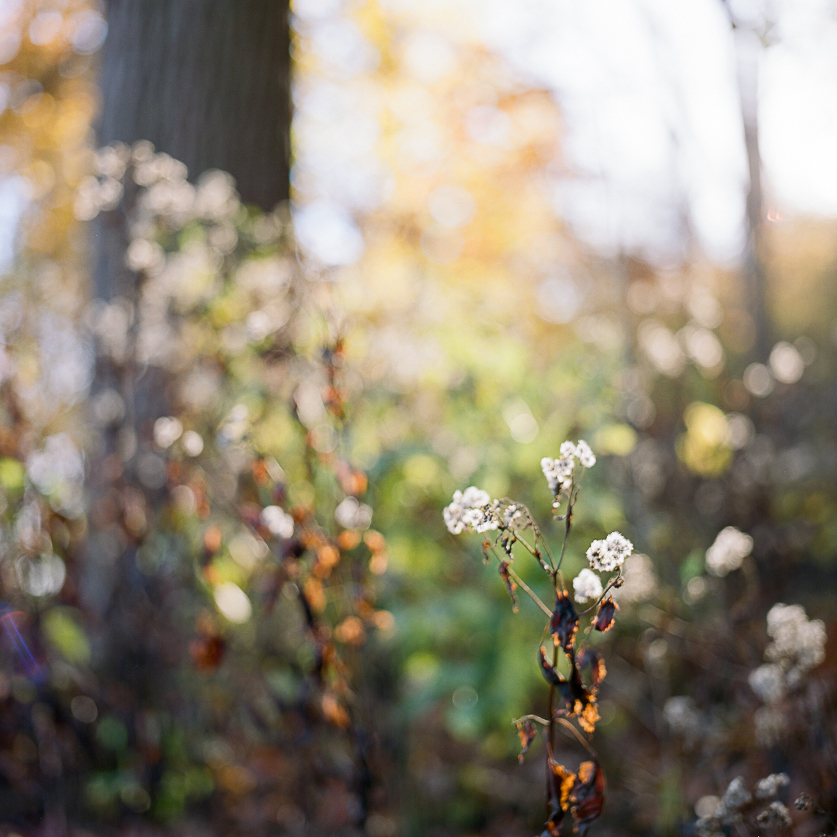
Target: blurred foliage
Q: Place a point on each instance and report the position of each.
(212, 602)
(222, 641)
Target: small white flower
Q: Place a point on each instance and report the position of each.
(482, 519)
(735, 798)
(609, 554)
(567, 450)
(558, 472)
(730, 548)
(597, 555)
(587, 585)
(585, 456)
(776, 815)
(548, 468)
(474, 497)
(771, 785)
(619, 547)
(466, 511)
(512, 515)
(279, 522)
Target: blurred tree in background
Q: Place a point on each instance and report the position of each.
(206, 407)
(214, 358)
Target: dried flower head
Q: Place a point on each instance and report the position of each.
(609, 554)
(734, 799)
(771, 785)
(587, 585)
(559, 472)
(585, 456)
(776, 815)
(469, 510)
(798, 643)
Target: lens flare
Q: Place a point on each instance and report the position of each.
(8, 618)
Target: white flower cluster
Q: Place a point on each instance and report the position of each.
(771, 785)
(735, 797)
(559, 472)
(776, 815)
(512, 516)
(473, 510)
(587, 585)
(609, 554)
(717, 816)
(798, 646)
(798, 643)
(730, 548)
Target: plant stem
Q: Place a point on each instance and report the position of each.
(529, 591)
(565, 723)
(610, 585)
(534, 552)
(568, 522)
(536, 718)
(551, 733)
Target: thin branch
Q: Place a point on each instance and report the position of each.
(534, 552)
(568, 522)
(610, 586)
(539, 537)
(517, 579)
(529, 591)
(551, 728)
(536, 718)
(582, 740)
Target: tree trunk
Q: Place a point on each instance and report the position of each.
(748, 51)
(206, 81)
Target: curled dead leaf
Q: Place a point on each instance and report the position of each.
(511, 586)
(564, 623)
(526, 732)
(605, 618)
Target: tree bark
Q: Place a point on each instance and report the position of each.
(206, 81)
(748, 51)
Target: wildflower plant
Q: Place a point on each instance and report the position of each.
(759, 811)
(572, 668)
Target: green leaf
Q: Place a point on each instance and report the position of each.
(62, 631)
